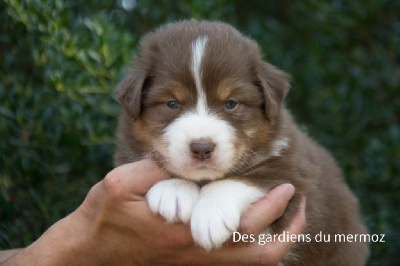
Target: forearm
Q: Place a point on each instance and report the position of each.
(61, 244)
(6, 254)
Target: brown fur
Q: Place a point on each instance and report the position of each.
(233, 67)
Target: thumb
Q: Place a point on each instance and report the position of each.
(137, 177)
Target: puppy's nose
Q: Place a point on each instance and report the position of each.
(202, 149)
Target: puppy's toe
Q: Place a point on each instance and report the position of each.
(213, 223)
(174, 199)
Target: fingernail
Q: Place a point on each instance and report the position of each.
(289, 189)
(303, 203)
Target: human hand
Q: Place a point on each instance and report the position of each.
(114, 225)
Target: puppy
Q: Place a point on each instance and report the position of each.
(202, 103)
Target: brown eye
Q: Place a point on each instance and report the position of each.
(230, 104)
(174, 105)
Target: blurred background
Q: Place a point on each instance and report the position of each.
(61, 60)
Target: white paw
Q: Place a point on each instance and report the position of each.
(213, 222)
(173, 199)
(217, 214)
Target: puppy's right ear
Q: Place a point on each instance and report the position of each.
(131, 91)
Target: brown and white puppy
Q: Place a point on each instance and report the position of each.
(202, 103)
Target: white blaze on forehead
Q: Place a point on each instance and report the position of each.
(198, 47)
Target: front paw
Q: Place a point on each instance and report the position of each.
(213, 222)
(174, 199)
(217, 214)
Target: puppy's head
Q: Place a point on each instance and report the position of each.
(201, 101)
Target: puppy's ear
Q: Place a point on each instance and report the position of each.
(274, 84)
(131, 91)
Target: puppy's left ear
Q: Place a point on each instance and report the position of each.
(274, 84)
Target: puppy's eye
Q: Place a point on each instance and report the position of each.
(230, 104)
(174, 105)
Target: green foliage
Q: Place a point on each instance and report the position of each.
(58, 112)
(61, 60)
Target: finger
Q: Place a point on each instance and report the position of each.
(273, 252)
(137, 177)
(264, 212)
(253, 253)
(296, 227)
(173, 234)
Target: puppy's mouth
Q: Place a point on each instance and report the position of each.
(201, 169)
(197, 167)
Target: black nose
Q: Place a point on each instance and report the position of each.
(202, 150)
